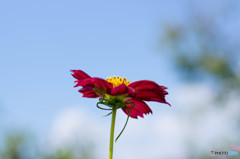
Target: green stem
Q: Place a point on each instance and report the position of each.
(114, 111)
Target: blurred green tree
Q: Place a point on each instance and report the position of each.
(205, 46)
(14, 146)
(19, 145)
(204, 49)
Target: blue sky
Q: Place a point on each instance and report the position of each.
(42, 40)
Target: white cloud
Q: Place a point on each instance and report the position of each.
(77, 125)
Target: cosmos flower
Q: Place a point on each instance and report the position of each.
(130, 97)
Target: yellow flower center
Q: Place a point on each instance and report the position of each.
(116, 81)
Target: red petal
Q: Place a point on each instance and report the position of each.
(140, 108)
(95, 83)
(92, 87)
(85, 88)
(143, 83)
(151, 96)
(89, 94)
(79, 74)
(121, 89)
(149, 91)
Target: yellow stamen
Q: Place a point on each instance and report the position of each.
(116, 81)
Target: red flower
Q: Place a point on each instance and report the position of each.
(128, 96)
